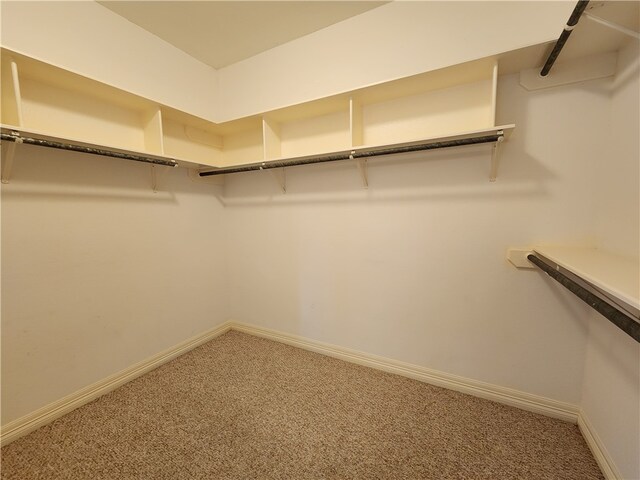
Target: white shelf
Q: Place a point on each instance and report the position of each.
(26, 136)
(615, 275)
(360, 153)
(506, 129)
(45, 101)
(28, 132)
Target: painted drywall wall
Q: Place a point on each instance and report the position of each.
(89, 39)
(611, 391)
(610, 395)
(414, 268)
(392, 41)
(99, 272)
(618, 213)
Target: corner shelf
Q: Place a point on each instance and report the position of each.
(44, 101)
(196, 143)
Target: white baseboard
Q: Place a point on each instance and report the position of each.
(507, 396)
(48, 413)
(600, 453)
(515, 398)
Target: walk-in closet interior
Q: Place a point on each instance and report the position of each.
(320, 239)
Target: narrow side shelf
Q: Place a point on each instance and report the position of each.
(615, 275)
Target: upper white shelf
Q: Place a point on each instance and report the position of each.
(47, 102)
(615, 275)
(492, 135)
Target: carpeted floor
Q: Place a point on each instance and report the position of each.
(241, 407)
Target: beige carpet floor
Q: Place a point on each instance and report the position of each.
(241, 407)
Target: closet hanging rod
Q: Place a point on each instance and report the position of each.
(620, 319)
(564, 36)
(356, 154)
(15, 136)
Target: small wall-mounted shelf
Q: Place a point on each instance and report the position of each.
(432, 110)
(615, 275)
(608, 282)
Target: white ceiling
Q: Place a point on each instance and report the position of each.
(220, 33)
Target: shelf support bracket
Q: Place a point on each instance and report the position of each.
(613, 25)
(280, 178)
(495, 152)
(8, 154)
(157, 172)
(361, 163)
(154, 178)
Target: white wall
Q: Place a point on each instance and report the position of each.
(395, 40)
(414, 268)
(86, 38)
(618, 189)
(389, 42)
(99, 272)
(611, 391)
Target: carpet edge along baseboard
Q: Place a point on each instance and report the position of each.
(534, 403)
(515, 398)
(508, 396)
(47, 414)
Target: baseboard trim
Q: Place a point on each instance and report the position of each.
(507, 396)
(48, 413)
(515, 398)
(600, 453)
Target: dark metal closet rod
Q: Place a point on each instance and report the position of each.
(355, 154)
(16, 137)
(564, 36)
(620, 319)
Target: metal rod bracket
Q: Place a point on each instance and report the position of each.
(280, 178)
(8, 155)
(495, 151)
(154, 179)
(613, 25)
(361, 163)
